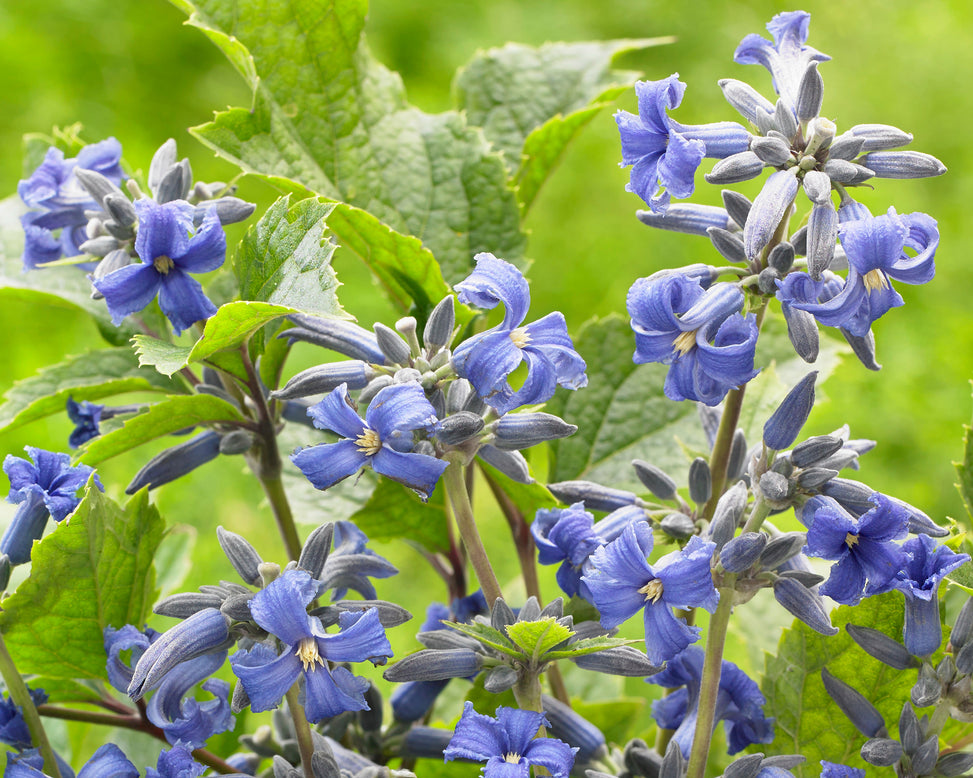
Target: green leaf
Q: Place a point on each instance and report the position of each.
(162, 418)
(328, 116)
(93, 571)
(394, 512)
(167, 358)
(488, 636)
(808, 722)
(527, 498)
(63, 690)
(173, 559)
(89, 376)
(588, 646)
(616, 719)
(536, 637)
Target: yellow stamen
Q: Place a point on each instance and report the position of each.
(875, 280)
(851, 540)
(163, 264)
(307, 652)
(511, 758)
(520, 337)
(684, 341)
(369, 443)
(652, 590)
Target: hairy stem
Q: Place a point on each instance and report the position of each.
(301, 727)
(20, 696)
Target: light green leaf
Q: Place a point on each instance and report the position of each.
(63, 690)
(328, 116)
(93, 571)
(808, 722)
(536, 637)
(173, 559)
(89, 376)
(162, 418)
(486, 635)
(394, 512)
(167, 358)
(616, 719)
(588, 646)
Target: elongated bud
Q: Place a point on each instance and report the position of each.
(782, 548)
(574, 729)
(700, 481)
(425, 742)
(673, 763)
(112, 262)
(810, 94)
(771, 150)
(924, 759)
(737, 206)
(882, 751)
(686, 218)
(963, 627)
(802, 330)
(848, 173)
(243, 556)
(177, 461)
(729, 244)
(120, 208)
(163, 159)
(728, 513)
(236, 607)
(735, 168)
(433, 665)
(396, 350)
(374, 386)
(459, 428)
(815, 477)
(903, 164)
(321, 379)
(709, 420)
(185, 604)
(817, 186)
(803, 604)
(814, 450)
(783, 427)
(97, 185)
(407, 328)
(639, 760)
(736, 464)
(928, 689)
(175, 183)
(457, 394)
(822, 232)
(741, 553)
(799, 241)
(655, 480)
(501, 616)
(910, 731)
(100, 246)
(511, 463)
(863, 347)
(768, 209)
(746, 100)
(882, 647)
(500, 679)
(881, 137)
(595, 496)
(859, 710)
(846, 146)
(345, 337)
(317, 547)
(678, 525)
(622, 660)
(782, 120)
(956, 763)
(804, 577)
(439, 326)
(776, 489)
(517, 431)
(745, 767)
(231, 210)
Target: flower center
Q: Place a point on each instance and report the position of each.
(875, 280)
(163, 264)
(512, 758)
(684, 341)
(851, 540)
(652, 590)
(520, 337)
(307, 652)
(369, 443)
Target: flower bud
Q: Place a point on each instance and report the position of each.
(459, 428)
(622, 660)
(815, 477)
(804, 604)
(817, 186)
(903, 164)
(345, 337)
(438, 332)
(778, 550)
(882, 751)
(236, 442)
(910, 731)
(511, 463)
(728, 513)
(767, 280)
(573, 729)
(768, 209)
(802, 329)
(500, 679)
(735, 168)
(963, 627)
(954, 764)
(435, 665)
(700, 481)
(772, 150)
(776, 489)
(881, 137)
(804, 577)
(163, 159)
(737, 206)
(847, 173)
(810, 94)
(120, 208)
(655, 480)
(709, 420)
(673, 763)
(846, 146)
(745, 767)
(686, 218)
(517, 431)
(425, 742)
(678, 525)
(457, 394)
(729, 244)
(927, 689)
(883, 648)
(786, 422)
(746, 100)
(395, 349)
(595, 496)
(236, 607)
(185, 604)
(863, 348)
(317, 547)
(859, 710)
(100, 246)
(231, 210)
(964, 659)
(814, 450)
(177, 461)
(175, 184)
(243, 556)
(374, 386)
(781, 257)
(740, 553)
(737, 462)
(924, 759)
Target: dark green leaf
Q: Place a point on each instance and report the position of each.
(394, 512)
(93, 571)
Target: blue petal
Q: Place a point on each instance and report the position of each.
(520, 727)
(720, 139)
(360, 641)
(653, 303)
(325, 465)
(26, 526)
(875, 243)
(828, 525)
(116, 641)
(281, 608)
(182, 300)
(499, 767)
(487, 361)
(670, 711)
(715, 305)
(924, 240)
(655, 98)
(538, 388)
(637, 140)
(496, 281)
(888, 520)
(923, 631)
(846, 584)
(335, 413)
(108, 762)
(207, 248)
(556, 755)
(265, 676)
(103, 157)
(163, 230)
(420, 472)
(677, 168)
(687, 581)
(327, 694)
(477, 737)
(399, 407)
(665, 635)
(129, 289)
(40, 245)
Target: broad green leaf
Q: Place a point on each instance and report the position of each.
(394, 512)
(62, 690)
(526, 498)
(167, 358)
(486, 635)
(536, 637)
(808, 722)
(173, 559)
(162, 418)
(328, 116)
(93, 571)
(285, 259)
(89, 376)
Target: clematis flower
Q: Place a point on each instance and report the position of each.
(13, 727)
(835, 770)
(709, 348)
(281, 609)
(862, 546)
(382, 441)
(171, 247)
(739, 703)
(48, 487)
(507, 744)
(488, 359)
(664, 153)
(927, 563)
(177, 762)
(622, 583)
(107, 762)
(86, 417)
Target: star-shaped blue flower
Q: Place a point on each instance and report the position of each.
(382, 441)
(488, 359)
(281, 609)
(623, 582)
(86, 417)
(508, 744)
(170, 247)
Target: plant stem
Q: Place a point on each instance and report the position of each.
(274, 489)
(720, 457)
(303, 730)
(20, 696)
(459, 498)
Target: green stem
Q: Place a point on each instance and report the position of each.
(20, 696)
(459, 498)
(527, 690)
(720, 457)
(303, 730)
(274, 489)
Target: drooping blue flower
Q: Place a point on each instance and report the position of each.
(281, 609)
(351, 563)
(86, 417)
(739, 703)
(570, 536)
(927, 563)
(48, 487)
(107, 762)
(697, 332)
(13, 728)
(507, 744)
(488, 359)
(867, 559)
(177, 762)
(622, 582)
(835, 770)
(787, 57)
(664, 153)
(171, 246)
(383, 441)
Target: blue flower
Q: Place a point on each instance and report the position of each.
(107, 762)
(281, 609)
(170, 247)
(86, 417)
(787, 58)
(570, 536)
(352, 563)
(862, 546)
(739, 703)
(507, 744)
(46, 488)
(927, 563)
(709, 348)
(13, 728)
(488, 359)
(382, 441)
(835, 770)
(623, 582)
(664, 153)
(177, 762)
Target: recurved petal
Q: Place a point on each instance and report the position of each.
(687, 581)
(655, 98)
(281, 608)
(923, 238)
(677, 168)
(181, 299)
(846, 584)
(206, 249)
(874, 244)
(496, 281)
(637, 140)
(729, 358)
(327, 694)
(324, 465)
(335, 413)
(420, 472)
(653, 303)
(265, 676)
(556, 755)
(399, 407)
(129, 289)
(163, 230)
(665, 635)
(490, 358)
(357, 641)
(477, 737)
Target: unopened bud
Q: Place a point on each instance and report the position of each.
(373, 387)
(857, 708)
(517, 431)
(459, 428)
(737, 206)
(655, 480)
(767, 280)
(903, 164)
(810, 94)
(746, 100)
(822, 232)
(185, 604)
(745, 767)
(954, 764)
(814, 450)
(802, 330)
(177, 461)
(882, 751)
(924, 759)
(100, 246)
(243, 556)
(427, 742)
(97, 185)
(783, 427)
(500, 679)
(740, 553)
(595, 496)
(434, 665)
(236, 442)
(236, 607)
(780, 549)
(317, 547)
(963, 627)
(231, 210)
(735, 168)
(687, 218)
(321, 379)
(768, 210)
(439, 326)
(771, 150)
(817, 186)
(728, 513)
(396, 350)
(781, 257)
(700, 481)
(882, 647)
(174, 184)
(803, 604)
(846, 146)
(626, 661)
(163, 159)
(737, 462)
(815, 477)
(345, 337)
(511, 463)
(573, 729)
(863, 348)
(678, 525)
(776, 489)
(927, 689)
(729, 244)
(120, 208)
(848, 173)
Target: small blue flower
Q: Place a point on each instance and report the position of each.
(835, 770)
(622, 583)
(867, 559)
(171, 247)
(177, 762)
(13, 728)
(488, 359)
(739, 703)
(709, 348)
(281, 609)
(665, 153)
(507, 744)
(86, 417)
(107, 762)
(927, 563)
(48, 487)
(377, 442)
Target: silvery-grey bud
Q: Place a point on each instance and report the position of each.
(729, 244)
(946, 670)
(407, 327)
(428, 742)
(735, 168)
(678, 525)
(325, 765)
(574, 729)
(97, 185)
(846, 146)
(802, 330)
(814, 450)
(879, 645)
(459, 427)
(780, 549)
(857, 708)
(814, 477)
(237, 607)
(910, 732)
(740, 553)
(776, 488)
(243, 556)
(772, 150)
(626, 661)
(737, 206)
(799, 241)
(927, 689)
(392, 345)
(655, 480)
(345, 337)
(5, 567)
(709, 420)
(774, 201)
(783, 465)
(173, 185)
(822, 232)
(325, 378)
(700, 481)
(849, 173)
(673, 763)
(100, 246)
(737, 462)
(728, 513)
(517, 431)
(781, 257)
(817, 186)
(804, 577)
(963, 627)
(782, 428)
(745, 767)
(804, 604)
(595, 496)
(185, 604)
(374, 386)
(231, 210)
(120, 208)
(880, 137)
(457, 395)
(767, 280)
(284, 769)
(863, 347)
(163, 159)
(924, 759)
(240, 701)
(882, 751)
(439, 326)
(317, 547)
(903, 164)
(746, 100)
(964, 659)
(499, 679)
(236, 442)
(501, 615)
(511, 463)
(177, 461)
(810, 94)
(954, 764)
(841, 459)
(435, 665)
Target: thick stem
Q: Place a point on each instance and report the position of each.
(20, 696)
(274, 489)
(303, 730)
(459, 498)
(527, 690)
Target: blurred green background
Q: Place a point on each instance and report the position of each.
(131, 70)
